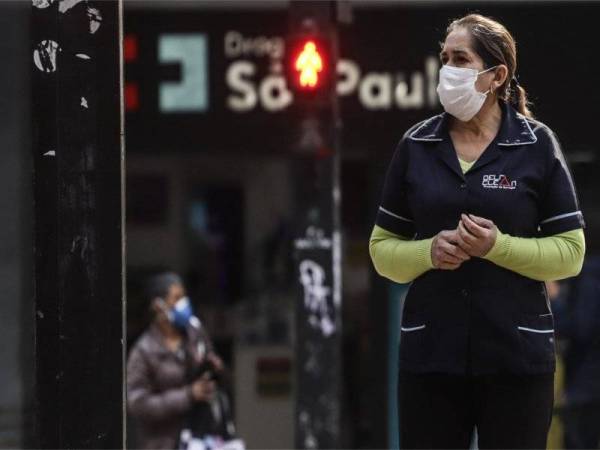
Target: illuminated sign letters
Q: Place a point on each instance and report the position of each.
(249, 87)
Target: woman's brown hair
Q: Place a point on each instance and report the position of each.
(495, 45)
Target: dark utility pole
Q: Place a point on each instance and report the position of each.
(312, 55)
(78, 159)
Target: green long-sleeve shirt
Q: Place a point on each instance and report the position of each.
(548, 258)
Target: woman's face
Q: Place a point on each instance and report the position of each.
(176, 292)
(457, 51)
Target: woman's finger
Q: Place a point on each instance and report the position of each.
(454, 251)
(450, 245)
(461, 243)
(481, 221)
(472, 227)
(444, 256)
(467, 237)
(460, 253)
(449, 266)
(448, 235)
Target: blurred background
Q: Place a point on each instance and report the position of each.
(212, 147)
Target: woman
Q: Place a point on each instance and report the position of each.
(165, 387)
(478, 209)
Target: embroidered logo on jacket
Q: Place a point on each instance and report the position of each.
(498, 182)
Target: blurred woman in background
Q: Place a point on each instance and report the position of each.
(171, 371)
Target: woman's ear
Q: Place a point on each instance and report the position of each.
(501, 75)
(156, 305)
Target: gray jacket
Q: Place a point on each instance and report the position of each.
(158, 391)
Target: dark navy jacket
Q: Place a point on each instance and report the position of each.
(479, 318)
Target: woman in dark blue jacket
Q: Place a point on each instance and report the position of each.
(478, 208)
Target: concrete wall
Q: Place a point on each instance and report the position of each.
(266, 184)
(262, 421)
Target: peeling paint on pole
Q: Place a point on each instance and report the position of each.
(65, 5)
(41, 4)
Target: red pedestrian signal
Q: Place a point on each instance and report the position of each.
(309, 69)
(309, 66)
(311, 54)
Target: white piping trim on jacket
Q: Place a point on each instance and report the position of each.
(522, 143)
(420, 327)
(394, 215)
(551, 330)
(412, 135)
(560, 216)
(426, 139)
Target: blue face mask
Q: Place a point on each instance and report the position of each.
(181, 314)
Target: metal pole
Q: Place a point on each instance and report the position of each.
(78, 159)
(318, 385)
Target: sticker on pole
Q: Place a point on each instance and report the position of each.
(41, 4)
(316, 294)
(44, 56)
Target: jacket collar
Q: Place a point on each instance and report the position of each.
(515, 129)
(156, 337)
(158, 346)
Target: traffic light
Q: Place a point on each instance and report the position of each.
(310, 64)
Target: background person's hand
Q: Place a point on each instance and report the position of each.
(216, 361)
(476, 235)
(445, 253)
(203, 389)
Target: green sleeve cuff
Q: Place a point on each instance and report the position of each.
(424, 253)
(399, 258)
(501, 247)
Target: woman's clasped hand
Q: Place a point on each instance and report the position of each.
(474, 236)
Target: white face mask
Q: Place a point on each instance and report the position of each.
(457, 92)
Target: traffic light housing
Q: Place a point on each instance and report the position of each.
(310, 61)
